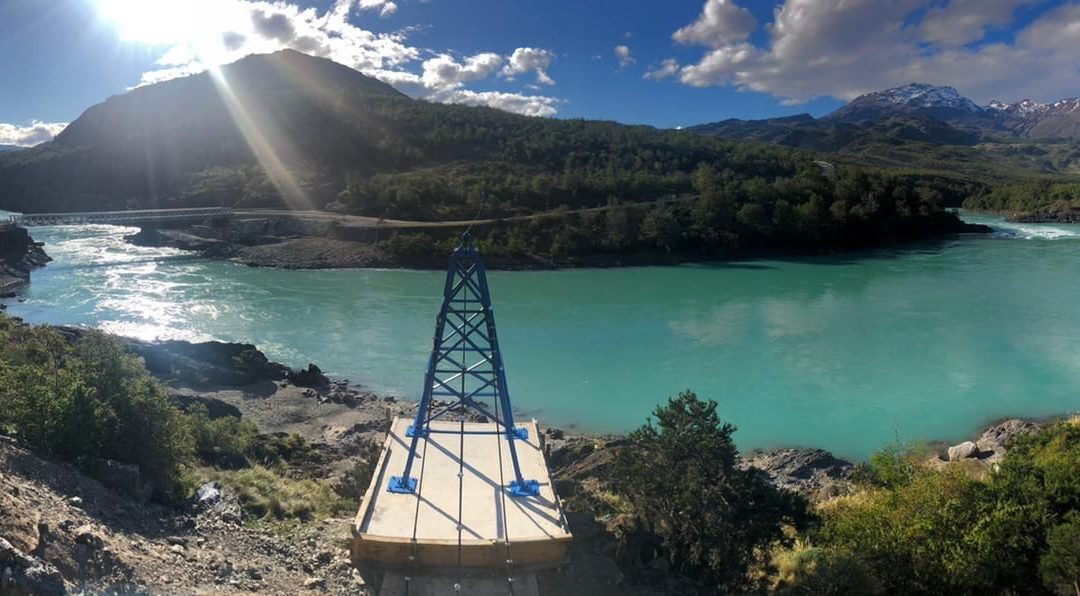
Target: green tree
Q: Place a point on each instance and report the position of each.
(682, 478)
(1059, 567)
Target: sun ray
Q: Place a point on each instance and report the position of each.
(261, 137)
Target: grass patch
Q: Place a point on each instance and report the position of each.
(267, 495)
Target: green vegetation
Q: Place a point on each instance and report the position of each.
(267, 494)
(86, 398)
(356, 147)
(681, 479)
(1040, 200)
(90, 399)
(909, 528)
(951, 532)
(729, 214)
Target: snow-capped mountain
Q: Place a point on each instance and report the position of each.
(1030, 118)
(941, 103)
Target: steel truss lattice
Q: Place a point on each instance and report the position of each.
(465, 369)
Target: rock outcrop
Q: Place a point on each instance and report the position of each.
(19, 255)
(209, 363)
(815, 473)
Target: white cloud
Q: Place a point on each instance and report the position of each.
(524, 60)
(444, 71)
(721, 22)
(964, 21)
(668, 68)
(623, 54)
(242, 27)
(385, 7)
(28, 136)
(842, 48)
(530, 105)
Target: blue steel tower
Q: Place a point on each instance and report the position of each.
(465, 369)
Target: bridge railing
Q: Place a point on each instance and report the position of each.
(133, 215)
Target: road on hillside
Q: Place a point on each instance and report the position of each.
(374, 222)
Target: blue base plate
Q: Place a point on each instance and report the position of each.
(529, 488)
(397, 485)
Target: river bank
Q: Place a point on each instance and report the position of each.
(298, 243)
(238, 379)
(89, 537)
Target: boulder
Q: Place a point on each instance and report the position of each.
(208, 495)
(997, 438)
(120, 477)
(312, 377)
(22, 574)
(806, 471)
(964, 450)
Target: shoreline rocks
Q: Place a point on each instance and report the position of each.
(19, 255)
(993, 443)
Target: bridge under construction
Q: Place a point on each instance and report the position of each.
(461, 500)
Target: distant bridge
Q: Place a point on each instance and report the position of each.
(132, 217)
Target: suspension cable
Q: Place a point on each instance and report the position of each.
(502, 496)
(414, 563)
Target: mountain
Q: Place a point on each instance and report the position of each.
(805, 132)
(291, 130)
(287, 130)
(1031, 119)
(173, 111)
(9, 148)
(930, 128)
(916, 99)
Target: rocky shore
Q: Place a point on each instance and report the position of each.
(19, 255)
(62, 532)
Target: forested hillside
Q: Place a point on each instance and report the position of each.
(289, 130)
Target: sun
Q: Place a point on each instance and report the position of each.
(159, 22)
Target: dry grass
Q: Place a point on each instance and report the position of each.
(265, 494)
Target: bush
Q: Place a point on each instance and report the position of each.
(921, 537)
(227, 441)
(1059, 567)
(683, 483)
(807, 569)
(891, 467)
(927, 531)
(354, 482)
(87, 400)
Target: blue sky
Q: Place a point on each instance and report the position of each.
(664, 63)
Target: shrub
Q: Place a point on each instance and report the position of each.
(682, 481)
(891, 467)
(1059, 566)
(227, 441)
(918, 538)
(90, 399)
(806, 569)
(354, 482)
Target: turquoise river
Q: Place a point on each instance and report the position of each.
(843, 352)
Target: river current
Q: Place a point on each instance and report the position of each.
(847, 353)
